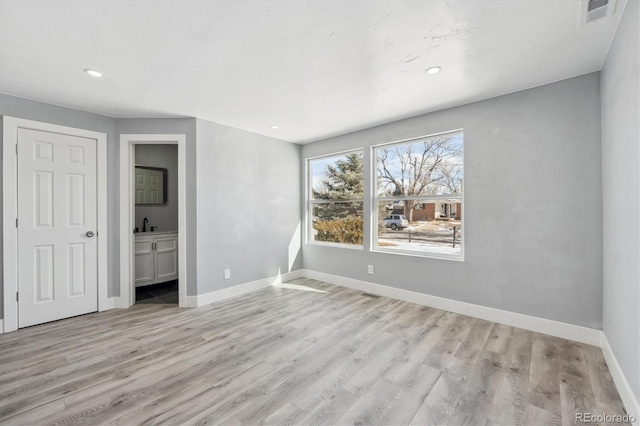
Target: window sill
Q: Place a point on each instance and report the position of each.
(338, 245)
(428, 255)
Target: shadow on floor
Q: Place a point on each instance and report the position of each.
(158, 293)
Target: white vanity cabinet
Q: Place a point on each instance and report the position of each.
(156, 257)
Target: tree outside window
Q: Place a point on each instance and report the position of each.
(423, 180)
(336, 201)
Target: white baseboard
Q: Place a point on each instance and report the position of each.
(576, 333)
(554, 328)
(624, 388)
(288, 276)
(121, 303)
(110, 303)
(239, 290)
(587, 335)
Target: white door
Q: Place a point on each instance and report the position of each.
(57, 245)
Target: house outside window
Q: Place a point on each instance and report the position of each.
(421, 179)
(335, 194)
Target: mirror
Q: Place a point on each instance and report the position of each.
(151, 185)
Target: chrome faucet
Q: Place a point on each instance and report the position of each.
(144, 224)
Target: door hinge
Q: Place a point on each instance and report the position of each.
(17, 297)
(16, 149)
(16, 222)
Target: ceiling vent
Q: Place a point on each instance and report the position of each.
(592, 10)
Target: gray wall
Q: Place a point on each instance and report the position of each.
(621, 195)
(248, 206)
(165, 217)
(186, 126)
(31, 110)
(259, 240)
(532, 206)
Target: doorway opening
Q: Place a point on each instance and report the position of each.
(164, 293)
(153, 219)
(156, 223)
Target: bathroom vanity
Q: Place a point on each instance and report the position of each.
(156, 257)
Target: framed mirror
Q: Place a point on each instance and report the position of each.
(151, 185)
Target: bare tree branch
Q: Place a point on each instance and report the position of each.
(430, 166)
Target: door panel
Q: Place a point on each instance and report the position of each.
(144, 262)
(166, 258)
(77, 283)
(167, 265)
(44, 199)
(57, 272)
(43, 278)
(75, 189)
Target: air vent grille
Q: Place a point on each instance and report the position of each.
(596, 4)
(593, 10)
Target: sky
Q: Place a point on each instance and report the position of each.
(319, 166)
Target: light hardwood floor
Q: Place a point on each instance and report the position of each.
(294, 356)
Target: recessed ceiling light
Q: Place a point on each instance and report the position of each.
(275, 127)
(433, 70)
(93, 73)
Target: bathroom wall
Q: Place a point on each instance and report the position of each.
(165, 217)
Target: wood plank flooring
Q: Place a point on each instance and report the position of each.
(310, 354)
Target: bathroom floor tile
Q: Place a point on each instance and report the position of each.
(158, 293)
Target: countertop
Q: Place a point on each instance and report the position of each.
(154, 233)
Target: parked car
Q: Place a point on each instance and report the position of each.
(395, 221)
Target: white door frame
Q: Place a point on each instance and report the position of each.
(127, 213)
(10, 210)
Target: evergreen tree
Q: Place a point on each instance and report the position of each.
(344, 181)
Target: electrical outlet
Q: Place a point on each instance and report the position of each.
(227, 274)
(370, 269)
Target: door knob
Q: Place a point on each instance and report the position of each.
(89, 234)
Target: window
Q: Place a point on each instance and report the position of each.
(422, 180)
(336, 199)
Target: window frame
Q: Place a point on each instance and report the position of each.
(375, 200)
(310, 201)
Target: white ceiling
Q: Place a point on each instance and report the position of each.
(316, 69)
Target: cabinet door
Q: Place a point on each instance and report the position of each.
(145, 268)
(166, 257)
